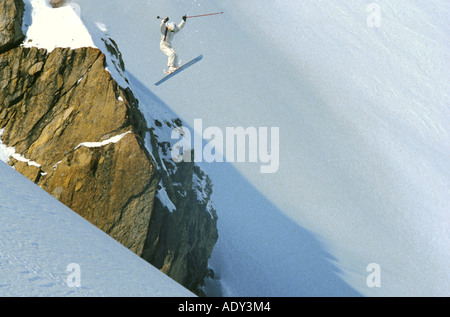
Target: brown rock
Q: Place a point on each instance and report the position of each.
(57, 3)
(56, 109)
(11, 15)
(31, 172)
(47, 112)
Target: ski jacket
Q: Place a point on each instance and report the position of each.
(166, 34)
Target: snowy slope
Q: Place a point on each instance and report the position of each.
(364, 141)
(47, 27)
(42, 241)
(371, 145)
(364, 138)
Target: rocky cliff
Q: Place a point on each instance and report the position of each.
(80, 136)
(11, 13)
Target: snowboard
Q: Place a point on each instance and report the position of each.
(188, 64)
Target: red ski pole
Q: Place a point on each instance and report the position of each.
(203, 15)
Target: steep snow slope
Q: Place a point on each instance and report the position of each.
(44, 245)
(373, 140)
(258, 247)
(48, 27)
(363, 136)
(266, 254)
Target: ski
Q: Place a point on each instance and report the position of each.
(192, 62)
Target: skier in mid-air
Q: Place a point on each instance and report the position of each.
(168, 30)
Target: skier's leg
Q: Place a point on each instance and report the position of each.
(172, 63)
(170, 52)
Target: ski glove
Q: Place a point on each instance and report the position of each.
(184, 18)
(166, 19)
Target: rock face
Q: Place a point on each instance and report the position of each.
(191, 226)
(11, 13)
(85, 136)
(57, 3)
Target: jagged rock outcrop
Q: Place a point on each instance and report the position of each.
(53, 103)
(11, 14)
(189, 189)
(80, 136)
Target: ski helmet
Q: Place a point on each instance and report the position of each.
(172, 26)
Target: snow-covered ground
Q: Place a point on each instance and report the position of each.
(46, 249)
(48, 27)
(364, 141)
(363, 112)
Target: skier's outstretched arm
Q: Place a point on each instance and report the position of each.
(183, 21)
(163, 25)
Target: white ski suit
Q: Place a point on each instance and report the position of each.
(165, 45)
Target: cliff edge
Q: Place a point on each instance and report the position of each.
(75, 132)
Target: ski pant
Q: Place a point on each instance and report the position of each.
(170, 52)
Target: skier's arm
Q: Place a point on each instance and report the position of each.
(180, 26)
(163, 25)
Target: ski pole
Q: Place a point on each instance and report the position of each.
(203, 15)
(159, 18)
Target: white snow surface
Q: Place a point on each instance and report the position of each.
(164, 198)
(363, 113)
(47, 27)
(41, 240)
(113, 139)
(6, 152)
